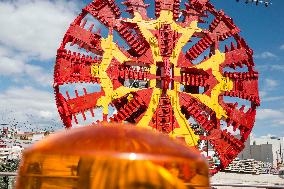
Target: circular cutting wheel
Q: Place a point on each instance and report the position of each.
(184, 71)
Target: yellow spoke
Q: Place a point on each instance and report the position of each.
(224, 84)
(110, 51)
(144, 122)
(185, 129)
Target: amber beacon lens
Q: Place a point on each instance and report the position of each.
(111, 157)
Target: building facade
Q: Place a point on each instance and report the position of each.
(265, 149)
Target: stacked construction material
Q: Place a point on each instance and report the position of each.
(249, 166)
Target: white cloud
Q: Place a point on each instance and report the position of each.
(32, 30)
(268, 86)
(38, 74)
(273, 117)
(27, 97)
(263, 114)
(35, 28)
(271, 83)
(268, 136)
(46, 114)
(27, 104)
(271, 67)
(282, 47)
(273, 98)
(266, 55)
(281, 122)
(16, 67)
(10, 66)
(265, 93)
(277, 67)
(262, 94)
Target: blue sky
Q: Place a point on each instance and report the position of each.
(32, 30)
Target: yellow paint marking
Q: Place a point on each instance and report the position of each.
(183, 40)
(185, 129)
(144, 122)
(122, 91)
(130, 97)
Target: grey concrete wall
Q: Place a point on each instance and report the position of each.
(266, 153)
(245, 154)
(255, 151)
(262, 152)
